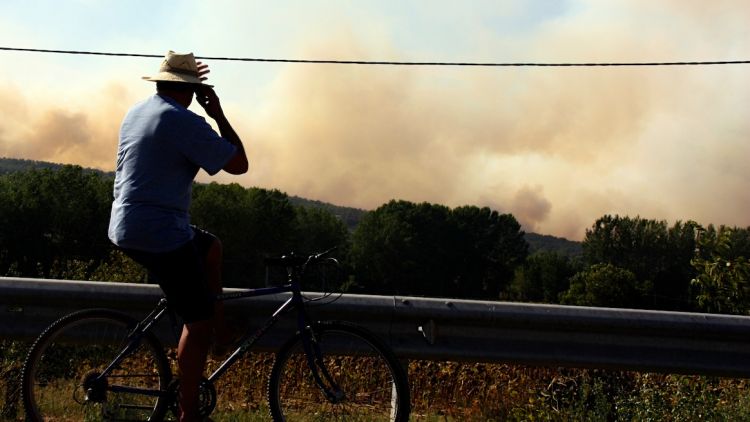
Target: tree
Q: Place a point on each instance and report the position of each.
(317, 229)
(401, 248)
(543, 277)
(722, 282)
(120, 268)
(251, 223)
(489, 246)
(671, 287)
(634, 243)
(426, 249)
(49, 217)
(601, 285)
(658, 256)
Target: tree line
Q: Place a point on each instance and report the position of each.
(53, 224)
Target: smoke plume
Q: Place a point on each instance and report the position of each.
(557, 147)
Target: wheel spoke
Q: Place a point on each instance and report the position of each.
(62, 375)
(374, 386)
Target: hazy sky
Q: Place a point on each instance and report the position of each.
(557, 147)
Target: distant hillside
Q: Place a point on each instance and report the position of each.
(10, 165)
(544, 242)
(537, 242)
(350, 216)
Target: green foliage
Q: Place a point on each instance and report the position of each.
(54, 218)
(317, 229)
(251, 224)
(683, 398)
(350, 217)
(426, 249)
(657, 255)
(634, 243)
(401, 247)
(722, 282)
(13, 165)
(601, 285)
(119, 268)
(49, 217)
(543, 277)
(53, 223)
(546, 243)
(500, 392)
(254, 223)
(488, 247)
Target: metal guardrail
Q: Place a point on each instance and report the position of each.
(442, 329)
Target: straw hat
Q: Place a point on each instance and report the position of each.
(177, 68)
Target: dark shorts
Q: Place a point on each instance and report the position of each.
(182, 276)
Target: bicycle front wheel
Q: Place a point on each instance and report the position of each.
(360, 379)
(70, 373)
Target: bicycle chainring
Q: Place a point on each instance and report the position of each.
(206, 397)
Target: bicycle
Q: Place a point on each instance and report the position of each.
(101, 364)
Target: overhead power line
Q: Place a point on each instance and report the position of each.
(395, 63)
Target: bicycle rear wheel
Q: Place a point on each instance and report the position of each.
(61, 374)
(368, 382)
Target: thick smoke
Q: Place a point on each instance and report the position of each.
(40, 129)
(557, 147)
(666, 143)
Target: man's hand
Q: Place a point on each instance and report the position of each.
(202, 70)
(205, 95)
(207, 98)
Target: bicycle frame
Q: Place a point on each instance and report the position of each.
(246, 342)
(134, 338)
(332, 366)
(249, 339)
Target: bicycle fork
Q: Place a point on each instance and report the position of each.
(331, 390)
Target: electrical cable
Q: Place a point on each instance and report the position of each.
(395, 63)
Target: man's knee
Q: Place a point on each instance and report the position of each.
(215, 253)
(198, 330)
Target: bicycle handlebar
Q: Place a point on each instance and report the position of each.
(296, 261)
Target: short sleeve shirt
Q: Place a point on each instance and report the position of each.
(161, 148)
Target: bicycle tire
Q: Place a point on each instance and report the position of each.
(74, 350)
(374, 384)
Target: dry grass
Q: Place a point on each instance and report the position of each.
(462, 391)
(456, 391)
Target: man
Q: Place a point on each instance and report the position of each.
(162, 146)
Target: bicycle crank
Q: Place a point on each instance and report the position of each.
(206, 397)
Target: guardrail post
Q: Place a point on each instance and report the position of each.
(405, 364)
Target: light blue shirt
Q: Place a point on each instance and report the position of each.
(162, 146)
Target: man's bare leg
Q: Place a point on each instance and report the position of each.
(196, 340)
(214, 262)
(191, 359)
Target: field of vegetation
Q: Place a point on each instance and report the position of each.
(460, 391)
